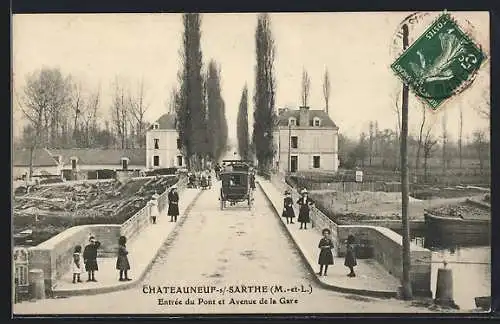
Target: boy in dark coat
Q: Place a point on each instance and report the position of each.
(325, 255)
(288, 211)
(90, 257)
(122, 263)
(305, 204)
(173, 204)
(350, 256)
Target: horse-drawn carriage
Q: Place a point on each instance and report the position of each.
(236, 178)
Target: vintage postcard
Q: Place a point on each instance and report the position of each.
(251, 163)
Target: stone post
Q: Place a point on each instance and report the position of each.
(37, 284)
(444, 288)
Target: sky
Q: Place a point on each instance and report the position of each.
(356, 49)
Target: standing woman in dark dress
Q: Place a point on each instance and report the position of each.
(288, 211)
(350, 256)
(305, 204)
(122, 263)
(173, 204)
(90, 257)
(325, 255)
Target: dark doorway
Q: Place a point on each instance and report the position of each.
(294, 163)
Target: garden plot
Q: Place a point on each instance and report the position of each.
(50, 211)
(354, 207)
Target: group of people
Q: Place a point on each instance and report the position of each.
(87, 261)
(305, 204)
(173, 205)
(203, 179)
(326, 254)
(326, 243)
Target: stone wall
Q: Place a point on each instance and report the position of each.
(386, 244)
(54, 256)
(387, 248)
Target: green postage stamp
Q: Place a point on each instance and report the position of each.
(440, 63)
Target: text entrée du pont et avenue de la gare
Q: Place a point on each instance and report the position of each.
(211, 295)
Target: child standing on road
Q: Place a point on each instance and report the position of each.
(305, 204)
(173, 204)
(154, 207)
(77, 264)
(122, 263)
(325, 255)
(288, 211)
(90, 258)
(350, 256)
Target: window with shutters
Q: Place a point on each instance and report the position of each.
(157, 143)
(156, 160)
(295, 142)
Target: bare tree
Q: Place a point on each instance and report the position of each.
(89, 117)
(306, 87)
(326, 89)
(120, 113)
(484, 107)
(460, 135)
(138, 109)
(444, 136)
(43, 101)
(76, 104)
(397, 110)
(480, 145)
(370, 142)
(428, 147)
(420, 140)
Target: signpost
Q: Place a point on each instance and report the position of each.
(407, 291)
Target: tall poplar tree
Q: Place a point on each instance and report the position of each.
(242, 125)
(264, 97)
(191, 114)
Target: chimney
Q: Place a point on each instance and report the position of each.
(304, 116)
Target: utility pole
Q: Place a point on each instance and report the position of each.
(405, 187)
(289, 145)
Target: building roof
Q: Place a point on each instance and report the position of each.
(91, 156)
(41, 158)
(166, 121)
(285, 114)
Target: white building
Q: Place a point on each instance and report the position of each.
(163, 146)
(87, 159)
(43, 163)
(306, 140)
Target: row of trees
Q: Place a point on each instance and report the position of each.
(198, 103)
(61, 114)
(262, 143)
(381, 148)
(306, 89)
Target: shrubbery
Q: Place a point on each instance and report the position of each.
(162, 171)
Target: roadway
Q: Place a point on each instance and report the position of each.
(236, 249)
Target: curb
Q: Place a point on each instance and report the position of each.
(127, 285)
(361, 292)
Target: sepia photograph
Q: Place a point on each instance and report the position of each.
(251, 163)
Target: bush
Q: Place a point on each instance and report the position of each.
(51, 180)
(105, 174)
(162, 171)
